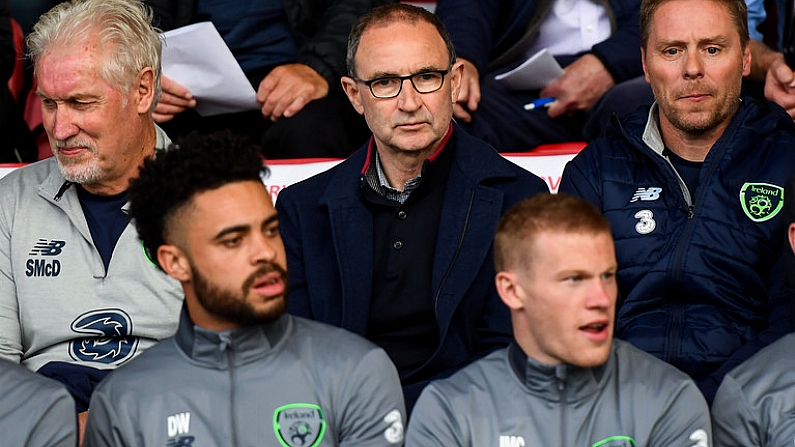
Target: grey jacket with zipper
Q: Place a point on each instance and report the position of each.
(509, 400)
(290, 383)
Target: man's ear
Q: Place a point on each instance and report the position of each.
(353, 92)
(791, 232)
(747, 60)
(144, 90)
(509, 290)
(174, 262)
(456, 73)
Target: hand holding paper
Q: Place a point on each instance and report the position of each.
(196, 57)
(533, 74)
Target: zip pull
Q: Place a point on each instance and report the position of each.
(690, 211)
(561, 373)
(225, 342)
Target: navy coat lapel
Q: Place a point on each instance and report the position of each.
(468, 222)
(350, 220)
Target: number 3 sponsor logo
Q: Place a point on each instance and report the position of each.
(646, 223)
(394, 433)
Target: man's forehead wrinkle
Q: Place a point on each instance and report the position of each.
(386, 73)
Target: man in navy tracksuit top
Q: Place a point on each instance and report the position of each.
(563, 381)
(239, 371)
(693, 189)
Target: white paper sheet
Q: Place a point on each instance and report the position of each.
(197, 57)
(534, 73)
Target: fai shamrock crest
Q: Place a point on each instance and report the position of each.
(299, 425)
(761, 201)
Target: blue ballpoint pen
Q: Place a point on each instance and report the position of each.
(540, 102)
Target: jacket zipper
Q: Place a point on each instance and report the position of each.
(677, 307)
(561, 375)
(225, 346)
(455, 256)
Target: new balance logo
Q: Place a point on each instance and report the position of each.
(511, 441)
(43, 267)
(182, 441)
(646, 194)
(44, 248)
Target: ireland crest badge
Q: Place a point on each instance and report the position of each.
(761, 201)
(299, 425)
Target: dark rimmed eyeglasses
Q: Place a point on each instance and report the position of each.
(390, 86)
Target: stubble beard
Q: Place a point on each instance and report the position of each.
(234, 306)
(79, 171)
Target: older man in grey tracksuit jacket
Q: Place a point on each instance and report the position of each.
(755, 403)
(60, 309)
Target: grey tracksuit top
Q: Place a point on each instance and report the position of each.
(57, 301)
(755, 404)
(508, 400)
(291, 383)
(34, 411)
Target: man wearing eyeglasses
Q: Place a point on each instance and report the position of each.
(395, 242)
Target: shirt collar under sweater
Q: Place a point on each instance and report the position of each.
(556, 382)
(235, 347)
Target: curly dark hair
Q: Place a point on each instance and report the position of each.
(193, 164)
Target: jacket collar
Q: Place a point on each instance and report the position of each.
(558, 382)
(465, 160)
(222, 350)
(752, 121)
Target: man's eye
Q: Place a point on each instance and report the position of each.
(272, 231)
(671, 51)
(712, 50)
(232, 242)
(384, 82)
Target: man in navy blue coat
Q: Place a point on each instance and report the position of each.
(395, 243)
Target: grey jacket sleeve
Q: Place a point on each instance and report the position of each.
(733, 420)
(105, 428)
(433, 422)
(34, 411)
(10, 330)
(57, 424)
(685, 422)
(375, 413)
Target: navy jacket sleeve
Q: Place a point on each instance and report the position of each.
(779, 324)
(620, 53)
(471, 24)
(289, 228)
(577, 183)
